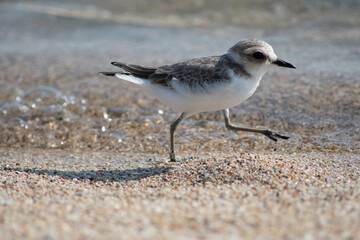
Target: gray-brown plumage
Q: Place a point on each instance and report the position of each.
(197, 71)
(208, 83)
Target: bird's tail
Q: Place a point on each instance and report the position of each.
(135, 70)
(110, 74)
(132, 73)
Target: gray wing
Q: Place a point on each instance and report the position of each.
(191, 72)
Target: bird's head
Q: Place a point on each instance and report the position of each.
(256, 56)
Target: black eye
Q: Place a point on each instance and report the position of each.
(258, 55)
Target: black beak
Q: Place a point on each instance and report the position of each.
(282, 63)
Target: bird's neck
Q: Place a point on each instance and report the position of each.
(228, 61)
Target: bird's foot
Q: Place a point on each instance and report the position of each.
(173, 159)
(274, 135)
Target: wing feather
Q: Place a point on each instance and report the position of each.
(196, 71)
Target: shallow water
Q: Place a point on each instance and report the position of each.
(52, 97)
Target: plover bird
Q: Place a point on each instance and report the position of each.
(208, 83)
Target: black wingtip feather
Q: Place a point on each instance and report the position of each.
(135, 70)
(111, 74)
(117, 64)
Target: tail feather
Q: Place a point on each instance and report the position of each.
(131, 78)
(124, 76)
(112, 74)
(135, 70)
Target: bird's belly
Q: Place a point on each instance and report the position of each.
(214, 98)
(226, 97)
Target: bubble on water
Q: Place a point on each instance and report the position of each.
(42, 96)
(103, 129)
(160, 111)
(69, 100)
(51, 112)
(13, 110)
(18, 123)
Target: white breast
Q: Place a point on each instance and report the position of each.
(215, 97)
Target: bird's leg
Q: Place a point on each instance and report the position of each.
(270, 134)
(172, 131)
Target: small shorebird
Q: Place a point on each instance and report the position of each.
(208, 83)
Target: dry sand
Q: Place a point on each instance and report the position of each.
(86, 157)
(57, 195)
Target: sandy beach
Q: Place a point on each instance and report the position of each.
(86, 157)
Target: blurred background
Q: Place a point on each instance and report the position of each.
(52, 97)
(196, 13)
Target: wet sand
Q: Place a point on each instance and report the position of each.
(86, 157)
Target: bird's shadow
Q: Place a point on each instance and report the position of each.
(99, 175)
